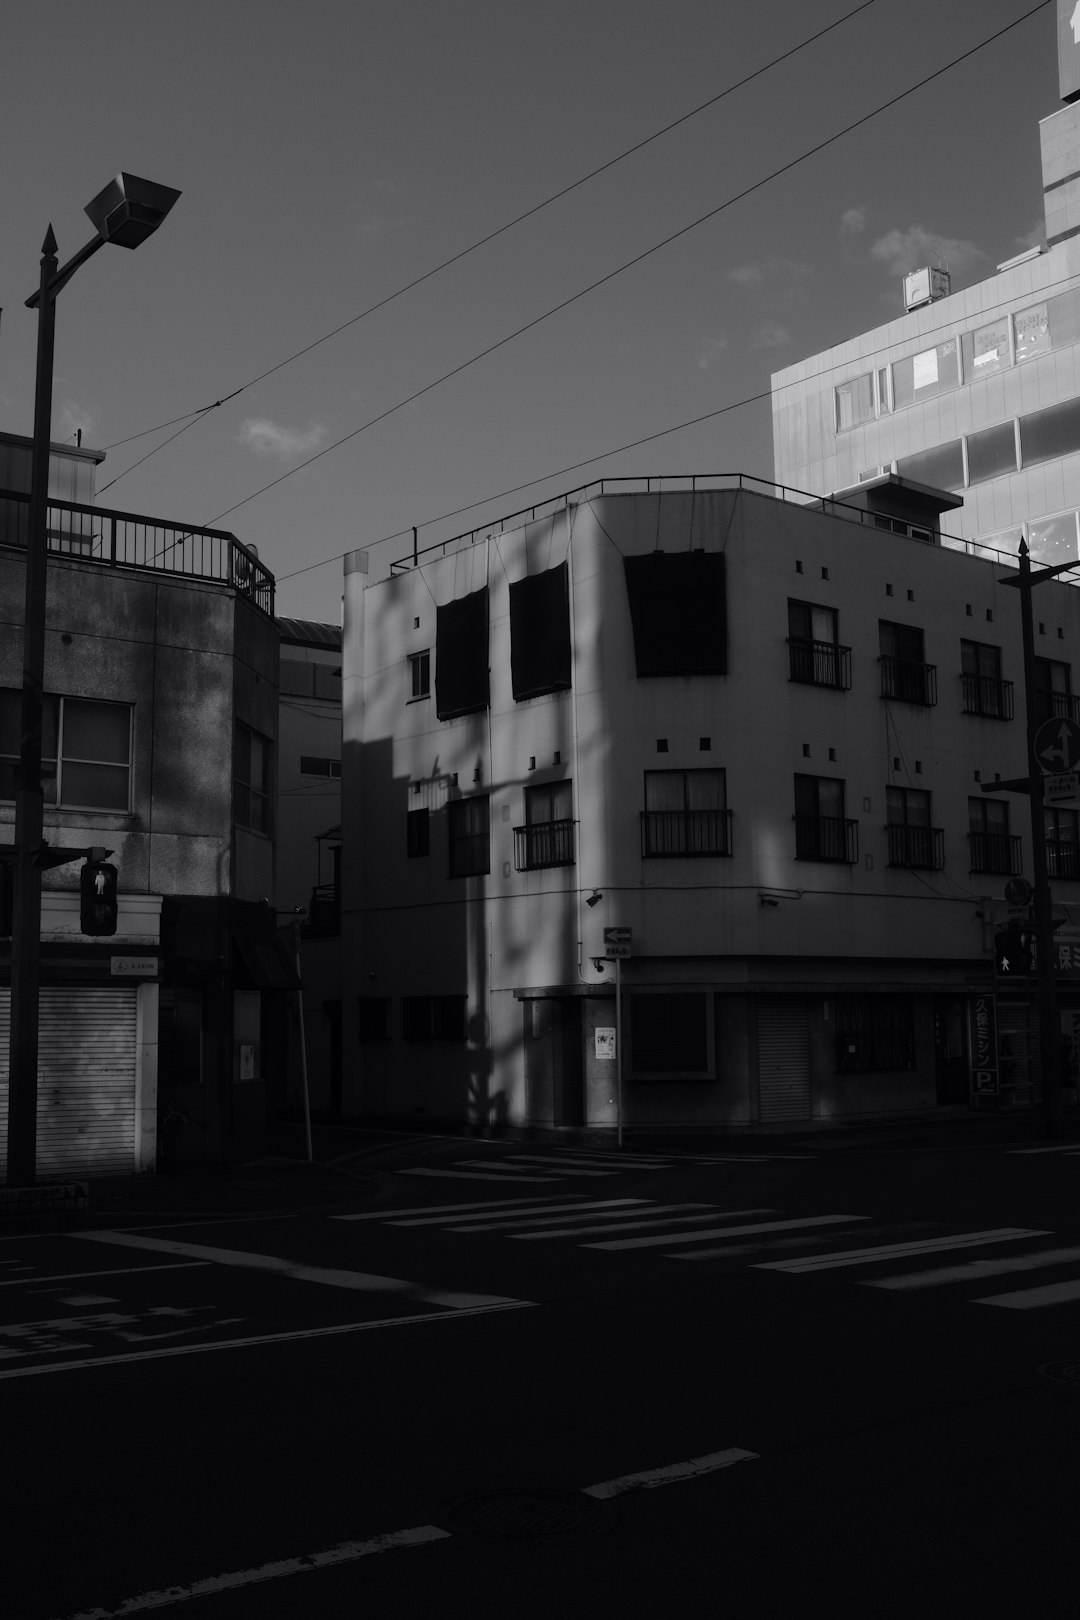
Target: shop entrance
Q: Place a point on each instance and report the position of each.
(554, 1066)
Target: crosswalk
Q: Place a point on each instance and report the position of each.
(556, 1164)
(1069, 1150)
(770, 1239)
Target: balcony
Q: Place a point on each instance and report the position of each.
(543, 844)
(826, 838)
(819, 663)
(685, 834)
(908, 682)
(987, 696)
(95, 534)
(995, 852)
(922, 848)
(1062, 859)
(1056, 705)
(324, 912)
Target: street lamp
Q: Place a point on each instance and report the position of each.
(126, 212)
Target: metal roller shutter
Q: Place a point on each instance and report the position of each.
(86, 1079)
(783, 1060)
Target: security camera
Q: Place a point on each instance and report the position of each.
(594, 898)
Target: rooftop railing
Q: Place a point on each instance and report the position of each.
(125, 540)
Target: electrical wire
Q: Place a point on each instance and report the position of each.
(483, 241)
(628, 264)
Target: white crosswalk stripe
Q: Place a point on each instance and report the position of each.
(728, 1231)
(1056, 1147)
(975, 1270)
(893, 1251)
(475, 1175)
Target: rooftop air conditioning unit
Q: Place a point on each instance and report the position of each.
(926, 287)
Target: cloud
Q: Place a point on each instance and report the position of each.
(852, 221)
(69, 417)
(771, 336)
(772, 268)
(1036, 237)
(901, 251)
(268, 439)
(711, 350)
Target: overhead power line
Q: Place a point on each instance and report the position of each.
(191, 417)
(628, 264)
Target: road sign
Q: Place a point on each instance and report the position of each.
(1018, 891)
(1064, 786)
(618, 936)
(617, 953)
(1057, 745)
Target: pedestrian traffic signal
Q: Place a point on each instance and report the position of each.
(1012, 952)
(97, 898)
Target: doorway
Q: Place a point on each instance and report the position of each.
(554, 1064)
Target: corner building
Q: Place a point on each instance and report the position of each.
(746, 729)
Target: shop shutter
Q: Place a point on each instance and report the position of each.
(783, 1060)
(86, 1079)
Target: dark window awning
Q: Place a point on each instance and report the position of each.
(267, 962)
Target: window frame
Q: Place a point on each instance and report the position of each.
(56, 708)
(246, 792)
(419, 675)
(468, 847)
(673, 1073)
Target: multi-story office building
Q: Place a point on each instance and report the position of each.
(161, 717)
(754, 733)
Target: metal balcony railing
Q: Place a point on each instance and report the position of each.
(826, 838)
(920, 847)
(124, 540)
(1056, 705)
(908, 682)
(819, 663)
(685, 833)
(542, 844)
(988, 696)
(995, 852)
(1062, 859)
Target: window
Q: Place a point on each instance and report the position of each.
(874, 1034)
(992, 847)
(419, 675)
(470, 836)
(912, 840)
(1050, 434)
(822, 832)
(991, 452)
(904, 674)
(540, 634)
(669, 1035)
(251, 779)
(984, 691)
(1053, 540)
(921, 376)
(433, 1018)
(372, 1018)
(814, 654)
(941, 467)
(85, 751)
(311, 766)
(1053, 690)
(854, 401)
(547, 838)
(986, 350)
(461, 656)
(1032, 329)
(417, 833)
(1062, 843)
(678, 610)
(685, 814)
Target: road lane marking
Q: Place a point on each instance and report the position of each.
(650, 1478)
(534, 1200)
(605, 1228)
(343, 1553)
(892, 1251)
(975, 1270)
(541, 1210)
(113, 1271)
(1057, 1147)
(252, 1340)
(726, 1231)
(575, 1169)
(597, 1215)
(476, 1175)
(1032, 1299)
(361, 1281)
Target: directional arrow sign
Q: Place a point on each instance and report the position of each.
(1057, 745)
(618, 936)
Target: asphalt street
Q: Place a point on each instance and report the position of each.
(517, 1379)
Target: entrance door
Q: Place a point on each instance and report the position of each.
(952, 1065)
(554, 1063)
(783, 1060)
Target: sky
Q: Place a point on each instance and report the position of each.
(330, 153)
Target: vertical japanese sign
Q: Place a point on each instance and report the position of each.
(984, 1046)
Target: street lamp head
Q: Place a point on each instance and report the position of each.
(129, 209)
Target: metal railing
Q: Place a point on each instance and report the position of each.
(819, 663)
(1062, 858)
(920, 847)
(542, 844)
(908, 682)
(995, 852)
(125, 540)
(324, 912)
(826, 838)
(1056, 705)
(988, 696)
(685, 833)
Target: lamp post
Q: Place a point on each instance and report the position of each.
(126, 212)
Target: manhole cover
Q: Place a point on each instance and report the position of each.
(531, 1513)
(1062, 1372)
